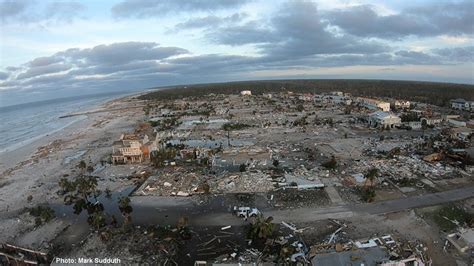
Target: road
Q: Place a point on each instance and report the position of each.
(167, 210)
(308, 214)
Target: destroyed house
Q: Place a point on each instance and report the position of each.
(463, 240)
(431, 121)
(461, 133)
(13, 255)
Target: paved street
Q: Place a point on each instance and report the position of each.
(346, 211)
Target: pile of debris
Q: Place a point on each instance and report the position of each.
(405, 167)
(250, 181)
(383, 250)
(13, 255)
(177, 181)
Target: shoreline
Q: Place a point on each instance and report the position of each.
(12, 157)
(29, 175)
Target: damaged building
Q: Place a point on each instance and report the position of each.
(384, 120)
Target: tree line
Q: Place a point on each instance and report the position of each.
(428, 92)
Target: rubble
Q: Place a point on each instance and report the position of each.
(292, 150)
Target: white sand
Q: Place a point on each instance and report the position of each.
(36, 168)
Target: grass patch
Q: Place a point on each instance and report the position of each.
(447, 216)
(42, 214)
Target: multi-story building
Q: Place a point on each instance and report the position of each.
(384, 120)
(373, 104)
(461, 104)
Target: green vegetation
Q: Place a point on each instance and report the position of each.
(159, 157)
(410, 117)
(242, 167)
(234, 126)
(300, 122)
(368, 194)
(276, 162)
(370, 176)
(300, 108)
(450, 215)
(125, 209)
(331, 164)
(165, 124)
(97, 220)
(42, 214)
(428, 92)
(82, 165)
(261, 229)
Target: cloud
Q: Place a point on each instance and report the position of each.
(146, 8)
(94, 66)
(456, 54)
(141, 64)
(208, 21)
(64, 11)
(42, 70)
(433, 19)
(297, 29)
(9, 9)
(30, 11)
(252, 32)
(44, 61)
(4, 75)
(121, 53)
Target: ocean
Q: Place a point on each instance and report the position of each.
(21, 124)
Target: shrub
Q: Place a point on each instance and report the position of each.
(331, 164)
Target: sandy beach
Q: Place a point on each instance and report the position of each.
(34, 169)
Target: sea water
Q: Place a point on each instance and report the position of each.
(21, 124)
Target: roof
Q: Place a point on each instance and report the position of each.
(468, 236)
(459, 100)
(129, 137)
(374, 101)
(382, 115)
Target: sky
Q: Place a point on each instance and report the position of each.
(73, 47)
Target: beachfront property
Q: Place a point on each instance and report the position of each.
(373, 104)
(131, 149)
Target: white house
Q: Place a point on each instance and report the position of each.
(415, 124)
(384, 120)
(246, 92)
(431, 121)
(461, 104)
(402, 104)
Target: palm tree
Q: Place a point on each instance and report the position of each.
(262, 228)
(125, 209)
(370, 176)
(82, 165)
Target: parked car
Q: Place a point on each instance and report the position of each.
(245, 212)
